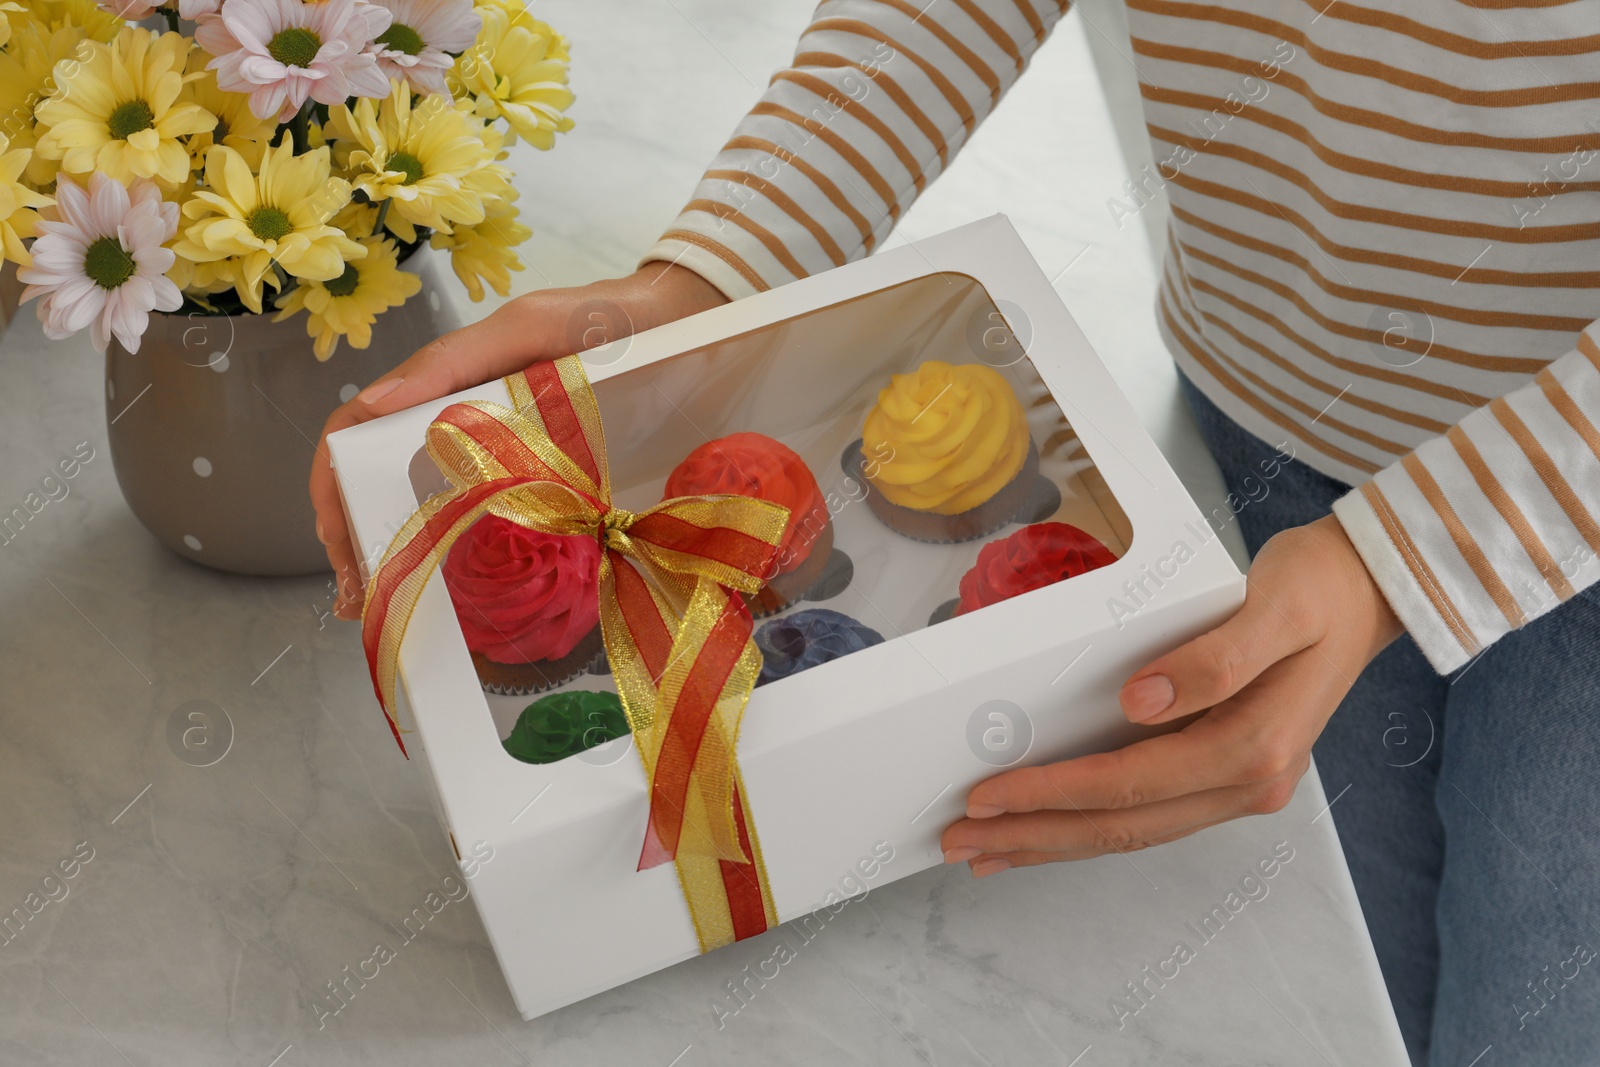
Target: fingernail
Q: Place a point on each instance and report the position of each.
(344, 609)
(377, 391)
(320, 535)
(961, 854)
(992, 865)
(984, 811)
(1148, 697)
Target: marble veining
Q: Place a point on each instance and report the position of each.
(224, 903)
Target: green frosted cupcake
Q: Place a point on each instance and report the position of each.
(565, 724)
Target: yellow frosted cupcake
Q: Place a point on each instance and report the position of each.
(948, 452)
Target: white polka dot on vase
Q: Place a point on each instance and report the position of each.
(433, 299)
(111, 389)
(202, 466)
(347, 393)
(219, 361)
(192, 541)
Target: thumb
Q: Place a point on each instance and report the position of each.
(1215, 665)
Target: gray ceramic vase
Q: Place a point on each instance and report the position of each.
(214, 421)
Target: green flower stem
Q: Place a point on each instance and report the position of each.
(300, 129)
(383, 215)
(286, 282)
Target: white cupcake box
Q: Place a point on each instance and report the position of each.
(855, 767)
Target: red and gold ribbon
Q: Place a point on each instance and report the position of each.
(677, 637)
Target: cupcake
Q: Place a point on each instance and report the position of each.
(528, 604)
(1033, 557)
(955, 459)
(807, 639)
(564, 724)
(753, 464)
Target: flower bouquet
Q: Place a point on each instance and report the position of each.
(263, 155)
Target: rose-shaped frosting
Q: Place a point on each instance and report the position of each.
(564, 724)
(952, 437)
(807, 639)
(753, 464)
(522, 595)
(1033, 557)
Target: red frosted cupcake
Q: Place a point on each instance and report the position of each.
(753, 464)
(1032, 558)
(528, 604)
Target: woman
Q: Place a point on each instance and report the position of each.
(1383, 261)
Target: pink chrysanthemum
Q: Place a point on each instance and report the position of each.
(99, 261)
(132, 10)
(423, 39)
(193, 9)
(283, 51)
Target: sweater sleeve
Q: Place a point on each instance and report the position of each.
(879, 97)
(1491, 525)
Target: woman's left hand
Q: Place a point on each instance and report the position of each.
(1260, 687)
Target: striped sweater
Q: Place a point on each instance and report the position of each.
(1384, 245)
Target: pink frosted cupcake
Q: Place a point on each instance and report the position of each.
(528, 604)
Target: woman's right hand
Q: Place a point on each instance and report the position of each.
(546, 324)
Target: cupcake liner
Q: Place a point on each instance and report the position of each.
(837, 575)
(528, 689)
(887, 512)
(541, 676)
(786, 590)
(944, 612)
(1043, 502)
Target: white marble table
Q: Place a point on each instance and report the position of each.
(220, 901)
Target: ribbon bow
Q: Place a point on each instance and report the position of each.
(677, 639)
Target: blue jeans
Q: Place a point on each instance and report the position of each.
(1468, 807)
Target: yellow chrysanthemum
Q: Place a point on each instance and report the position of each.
(277, 216)
(483, 253)
(517, 70)
(8, 11)
(429, 160)
(87, 16)
(204, 279)
(236, 125)
(362, 219)
(494, 138)
(123, 110)
(348, 305)
(356, 219)
(18, 204)
(26, 80)
(517, 13)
